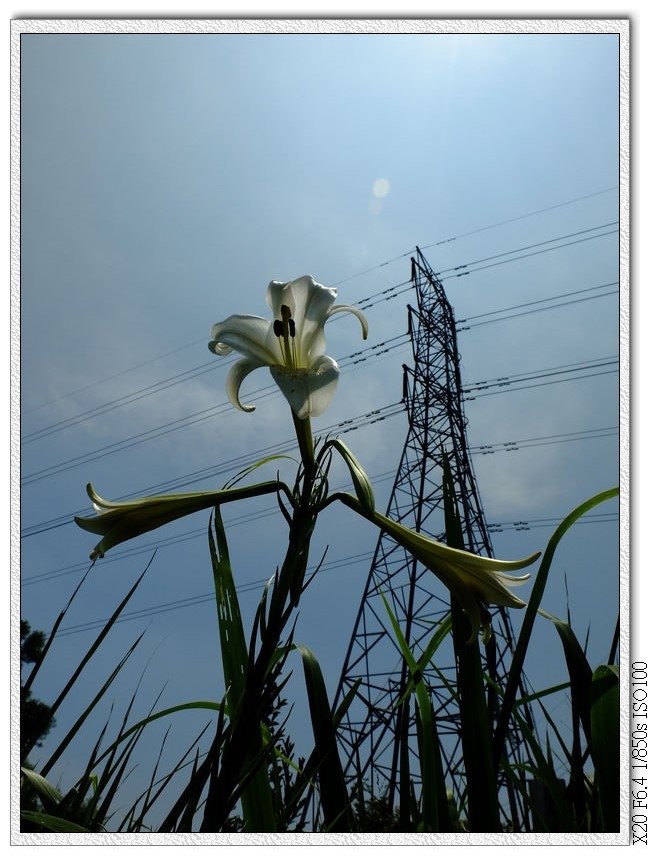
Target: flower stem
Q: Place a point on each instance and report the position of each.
(305, 443)
(265, 661)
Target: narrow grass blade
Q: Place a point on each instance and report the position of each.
(442, 630)
(257, 798)
(254, 466)
(307, 774)
(234, 653)
(34, 671)
(516, 666)
(580, 673)
(186, 805)
(334, 795)
(542, 769)
(434, 797)
(27, 747)
(605, 737)
(181, 707)
(134, 821)
(81, 719)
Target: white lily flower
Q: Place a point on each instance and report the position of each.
(117, 522)
(292, 345)
(476, 581)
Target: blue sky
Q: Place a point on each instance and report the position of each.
(167, 179)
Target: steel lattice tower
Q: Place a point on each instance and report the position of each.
(370, 738)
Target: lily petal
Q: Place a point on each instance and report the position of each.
(247, 334)
(310, 304)
(235, 378)
(342, 307)
(490, 588)
(308, 391)
(316, 302)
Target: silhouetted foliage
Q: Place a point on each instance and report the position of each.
(35, 716)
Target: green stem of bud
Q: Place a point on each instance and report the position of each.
(305, 443)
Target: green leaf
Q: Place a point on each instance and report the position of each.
(49, 821)
(47, 793)
(83, 716)
(334, 795)
(256, 465)
(360, 480)
(542, 770)
(442, 629)
(580, 673)
(181, 707)
(234, 652)
(517, 664)
(257, 798)
(605, 738)
(26, 747)
(73, 678)
(434, 813)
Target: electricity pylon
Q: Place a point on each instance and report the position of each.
(378, 731)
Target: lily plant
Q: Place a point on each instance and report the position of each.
(292, 345)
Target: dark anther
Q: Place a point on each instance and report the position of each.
(292, 327)
(278, 327)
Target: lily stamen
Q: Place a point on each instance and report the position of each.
(288, 337)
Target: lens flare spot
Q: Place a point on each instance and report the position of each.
(381, 187)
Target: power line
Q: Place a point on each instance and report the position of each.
(472, 391)
(346, 561)
(261, 513)
(483, 228)
(119, 402)
(179, 537)
(389, 293)
(573, 237)
(171, 606)
(506, 381)
(522, 216)
(523, 306)
(491, 448)
(171, 426)
(469, 391)
(558, 438)
(236, 463)
(352, 359)
(549, 523)
(349, 360)
(469, 268)
(113, 376)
